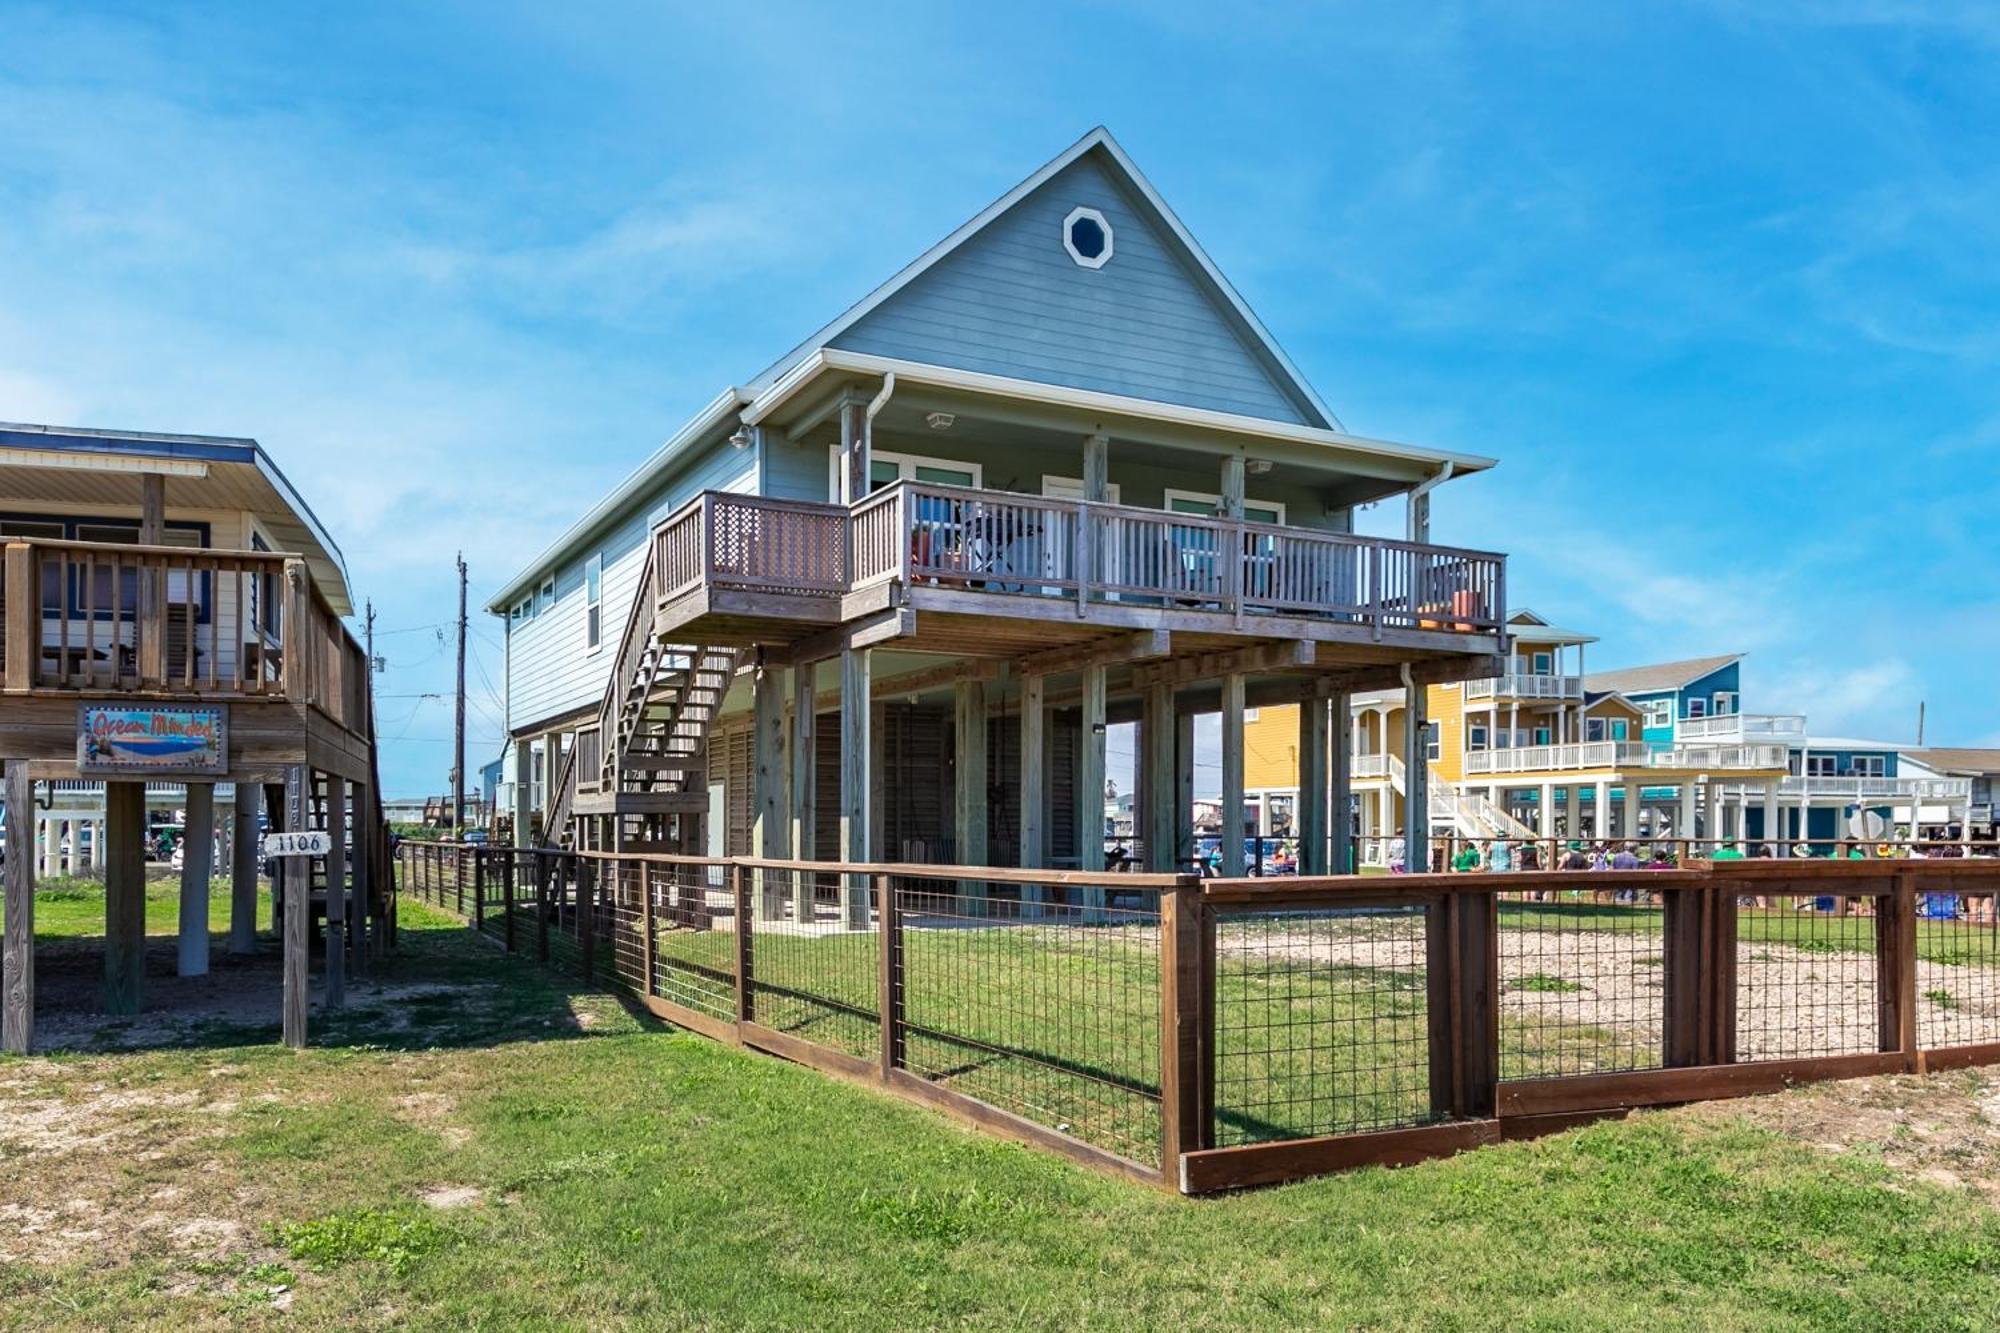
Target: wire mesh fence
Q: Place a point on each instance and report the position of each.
(1042, 1006)
(1321, 1022)
(1582, 981)
(1259, 1012)
(1806, 975)
(813, 966)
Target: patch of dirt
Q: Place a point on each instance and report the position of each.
(433, 1111)
(1943, 1128)
(447, 1197)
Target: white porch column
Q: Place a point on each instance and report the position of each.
(1601, 817)
(1545, 810)
(1631, 808)
(1684, 825)
(1771, 808)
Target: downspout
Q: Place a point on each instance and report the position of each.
(1421, 491)
(880, 401)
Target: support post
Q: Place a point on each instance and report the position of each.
(197, 869)
(17, 951)
(124, 897)
(524, 788)
(1416, 779)
(805, 767)
(1311, 815)
(1232, 775)
(295, 878)
(1090, 788)
(361, 871)
(770, 828)
(1340, 785)
(854, 451)
(856, 779)
(970, 801)
(245, 856)
(1157, 785)
(1183, 785)
(1034, 778)
(746, 981)
(336, 892)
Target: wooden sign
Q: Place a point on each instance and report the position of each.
(144, 741)
(310, 843)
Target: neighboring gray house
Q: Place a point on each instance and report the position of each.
(883, 597)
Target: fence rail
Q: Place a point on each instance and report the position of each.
(1212, 1034)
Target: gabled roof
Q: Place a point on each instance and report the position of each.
(1660, 676)
(1950, 759)
(1098, 141)
(76, 465)
(1529, 627)
(1592, 698)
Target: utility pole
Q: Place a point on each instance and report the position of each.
(458, 728)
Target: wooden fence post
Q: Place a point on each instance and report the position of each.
(545, 871)
(1720, 1020)
(649, 923)
(1187, 1054)
(1462, 969)
(586, 916)
(739, 894)
(1896, 968)
(507, 901)
(889, 923)
(478, 889)
(1687, 941)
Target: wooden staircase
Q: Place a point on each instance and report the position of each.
(646, 754)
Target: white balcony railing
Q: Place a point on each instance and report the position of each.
(1720, 757)
(1371, 765)
(1556, 758)
(1741, 727)
(1850, 787)
(1519, 685)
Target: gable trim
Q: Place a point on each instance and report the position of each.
(1097, 138)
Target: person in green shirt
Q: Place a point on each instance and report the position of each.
(1729, 851)
(1467, 858)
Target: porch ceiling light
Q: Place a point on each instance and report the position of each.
(1257, 467)
(941, 420)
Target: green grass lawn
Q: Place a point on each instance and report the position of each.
(67, 908)
(477, 1144)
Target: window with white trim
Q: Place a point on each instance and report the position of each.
(1545, 664)
(1593, 729)
(545, 596)
(1086, 235)
(593, 603)
(1869, 766)
(1433, 740)
(886, 468)
(1725, 702)
(1822, 765)
(1659, 712)
(1697, 707)
(1207, 505)
(1476, 737)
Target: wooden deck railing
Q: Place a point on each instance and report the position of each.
(1211, 1034)
(170, 620)
(917, 533)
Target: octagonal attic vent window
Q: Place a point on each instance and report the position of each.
(1087, 237)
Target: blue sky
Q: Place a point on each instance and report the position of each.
(1715, 282)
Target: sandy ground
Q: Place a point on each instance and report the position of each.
(1790, 1002)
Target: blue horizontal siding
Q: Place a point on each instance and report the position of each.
(1010, 301)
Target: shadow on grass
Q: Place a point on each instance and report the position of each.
(442, 987)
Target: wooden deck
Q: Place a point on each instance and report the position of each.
(968, 573)
(85, 622)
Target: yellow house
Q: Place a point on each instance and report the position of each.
(1528, 753)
